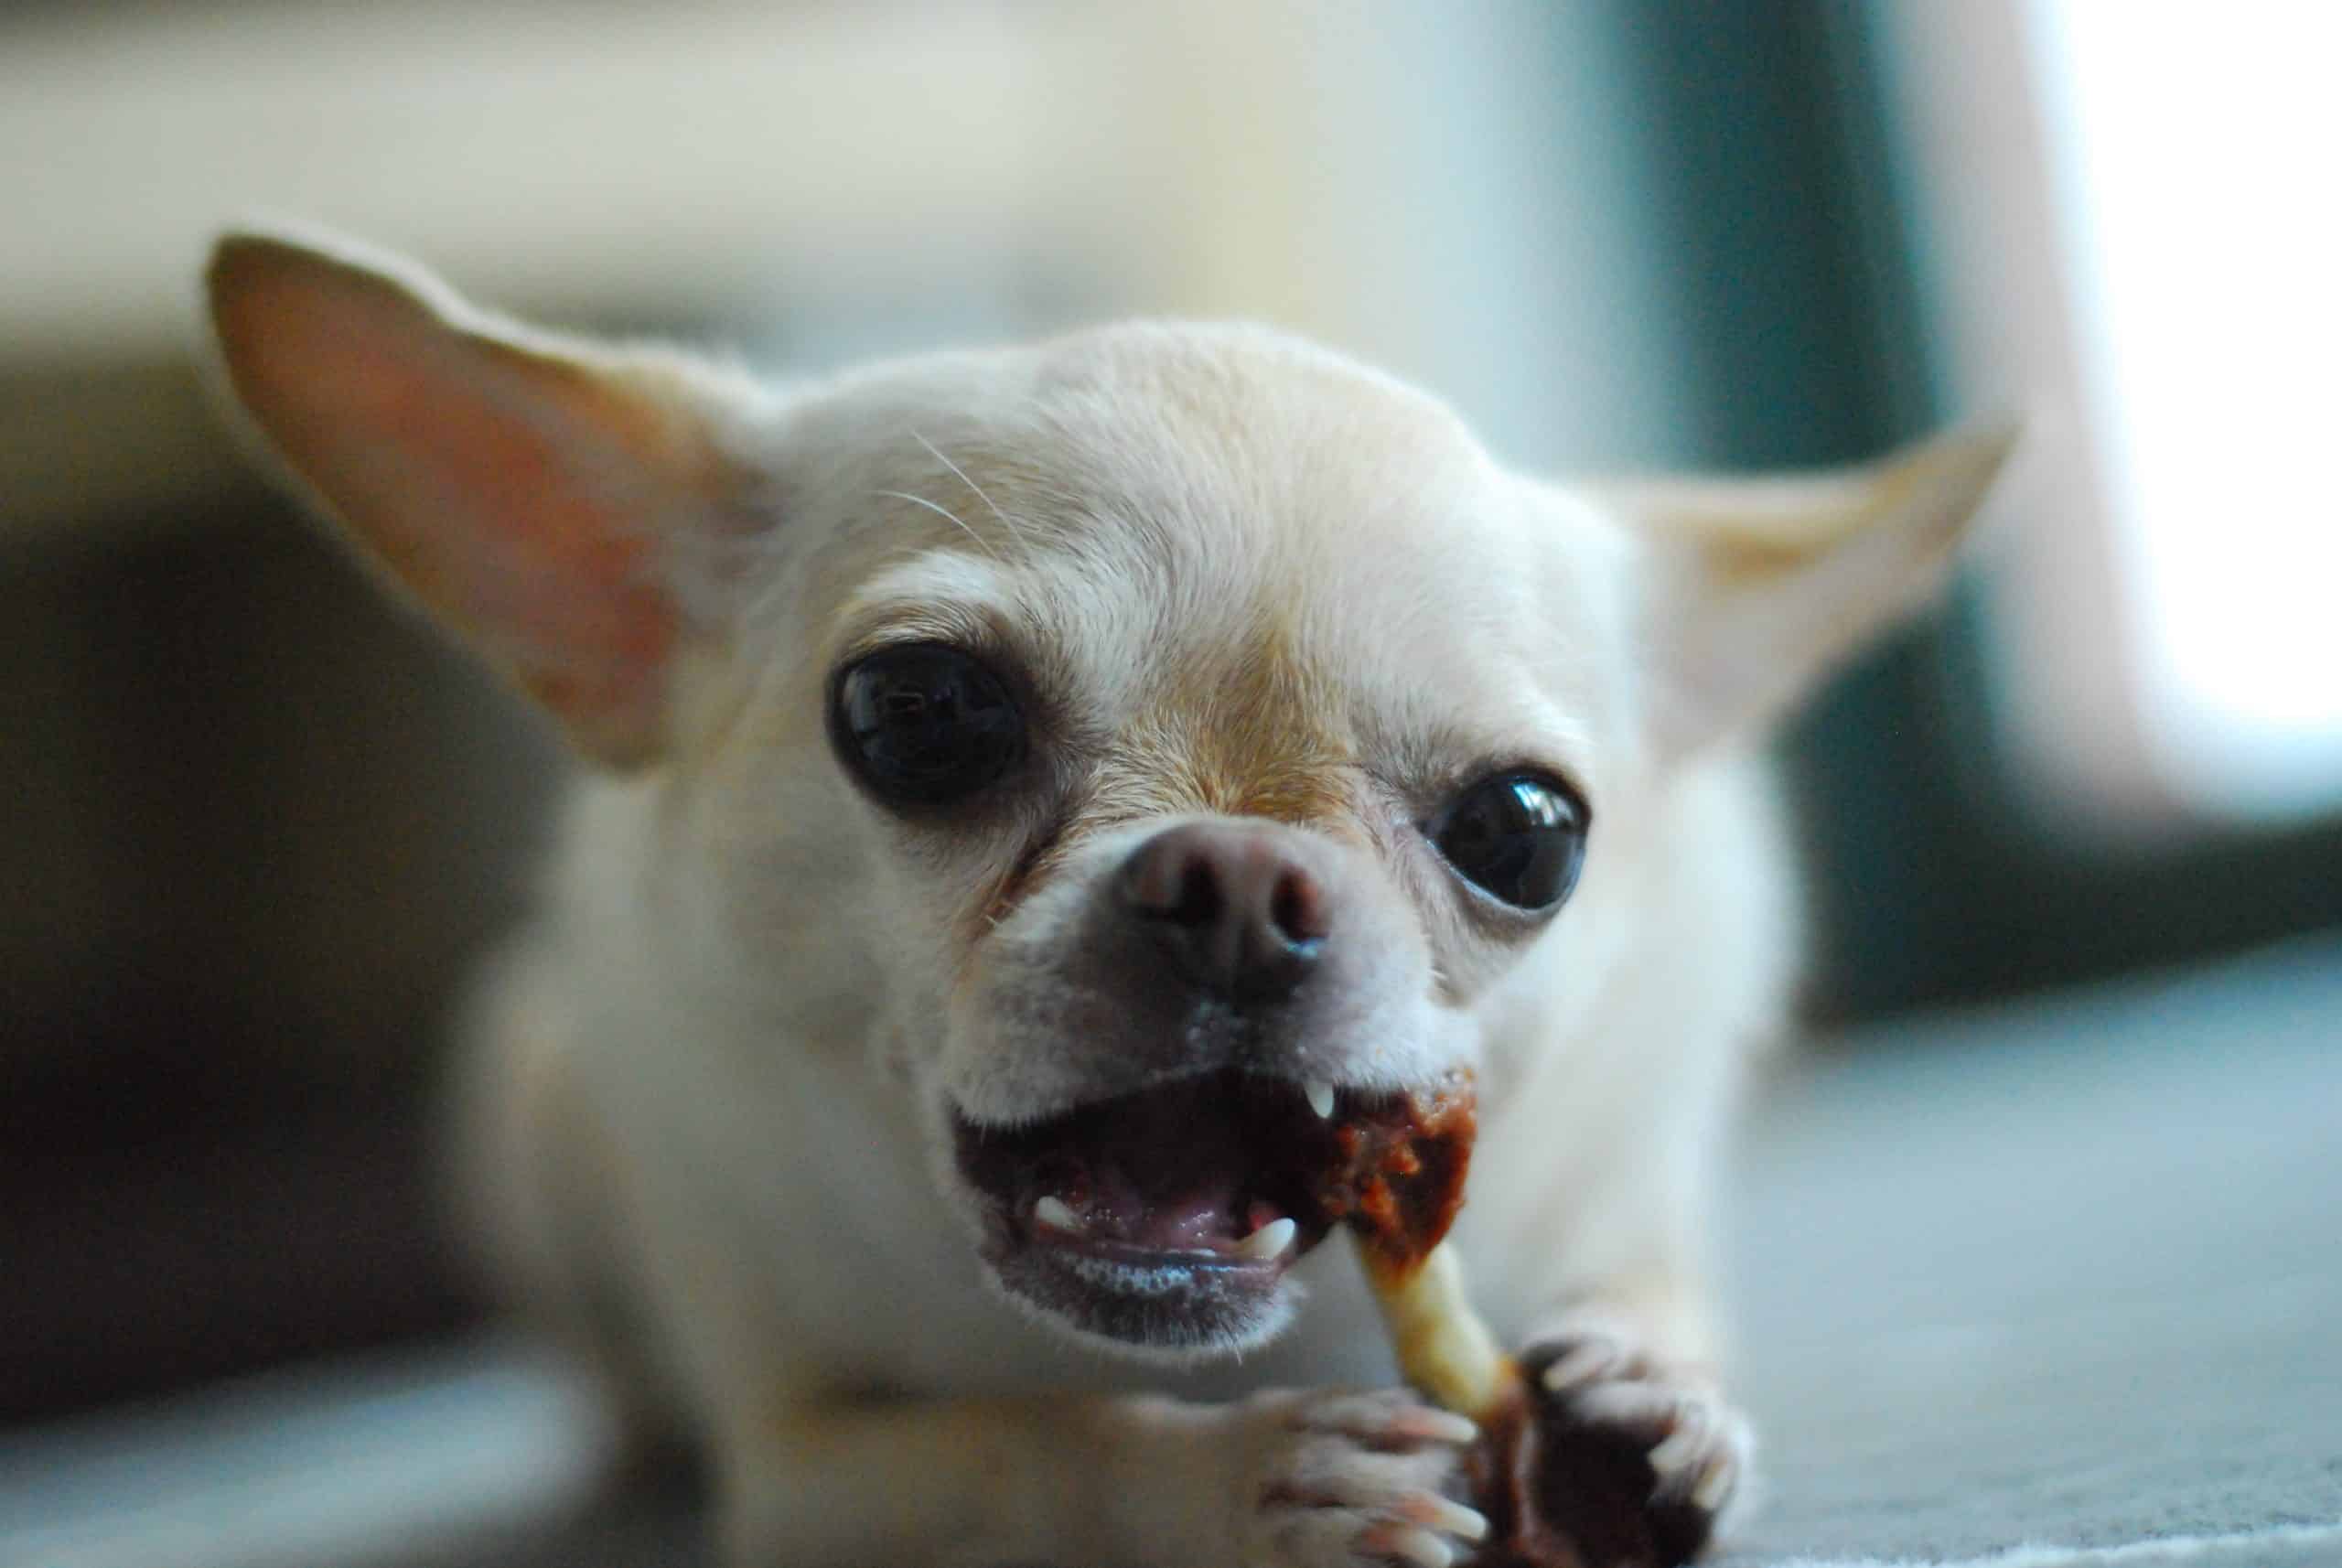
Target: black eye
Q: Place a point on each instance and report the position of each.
(924, 723)
(1520, 836)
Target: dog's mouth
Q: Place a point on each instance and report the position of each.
(1169, 1217)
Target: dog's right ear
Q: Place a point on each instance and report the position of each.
(1759, 585)
(525, 488)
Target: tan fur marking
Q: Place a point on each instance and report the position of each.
(1260, 735)
(1256, 735)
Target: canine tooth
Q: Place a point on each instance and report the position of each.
(1267, 1241)
(1321, 1098)
(1053, 1212)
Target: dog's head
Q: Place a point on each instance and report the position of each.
(1163, 742)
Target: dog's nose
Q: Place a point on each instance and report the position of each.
(1232, 905)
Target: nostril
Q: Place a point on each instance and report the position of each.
(1171, 882)
(1199, 903)
(1233, 908)
(1297, 909)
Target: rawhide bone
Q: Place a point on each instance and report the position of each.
(1398, 1181)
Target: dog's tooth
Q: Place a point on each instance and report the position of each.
(1268, 1241)
(1321, 1098)
(1054, 1212)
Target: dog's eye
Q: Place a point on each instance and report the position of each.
(1520, 836)
(924, 723)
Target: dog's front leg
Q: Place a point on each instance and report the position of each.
(1283, 1479)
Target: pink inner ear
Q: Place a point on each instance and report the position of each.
(540, 544)
(518, 496)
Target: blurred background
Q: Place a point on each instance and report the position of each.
(256, 824)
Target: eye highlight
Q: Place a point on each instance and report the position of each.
(1519, 836)
(925, 723)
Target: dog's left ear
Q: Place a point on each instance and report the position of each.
(1758, 585)
(532, 492)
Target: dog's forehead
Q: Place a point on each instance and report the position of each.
(1239, 439)
(1262, 558)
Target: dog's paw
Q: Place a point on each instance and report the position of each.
(1659, 1436)
(1337, 1480)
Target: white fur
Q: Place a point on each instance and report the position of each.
(716, 1068)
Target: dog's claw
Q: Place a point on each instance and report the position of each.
(1717, 1482)
(1677, 1450)
(1595, 1353)
(1406, 1543)
(1448, 1515)
(1441, 1426)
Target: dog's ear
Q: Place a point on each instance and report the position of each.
(526, 489)
(1760, 585)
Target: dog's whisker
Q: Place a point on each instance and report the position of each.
(944, 512)
(961, 475)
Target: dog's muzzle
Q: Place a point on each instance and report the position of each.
(1165, 1207)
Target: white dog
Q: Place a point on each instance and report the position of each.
(1033, 795)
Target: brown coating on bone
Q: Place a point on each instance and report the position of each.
(1399, 1179)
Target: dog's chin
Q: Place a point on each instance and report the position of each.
(1160, 1223)
(1155, 1307)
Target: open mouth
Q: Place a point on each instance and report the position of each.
(1169, 1217)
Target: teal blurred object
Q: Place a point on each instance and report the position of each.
(1788, 220)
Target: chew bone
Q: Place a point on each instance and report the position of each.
(1400, 1182)
(1442, 1346)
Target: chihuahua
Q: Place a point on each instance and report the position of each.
(1025, 792)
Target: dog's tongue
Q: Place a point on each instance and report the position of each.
(1198, 1216)
(1163, 1170)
